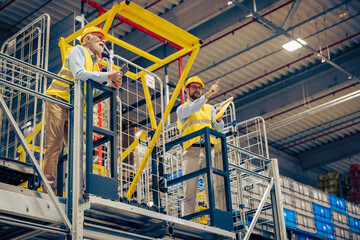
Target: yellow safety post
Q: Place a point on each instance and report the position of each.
(132, 146)
(159, 127)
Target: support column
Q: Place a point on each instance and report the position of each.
(77, 163)
(277, 206)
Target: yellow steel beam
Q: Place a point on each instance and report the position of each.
(132, 147)
(110, 19)
(159, 127)
(134, 49)
(148, 102)
(157, 25)
(168, 59)
(96, 22)
(132, 75)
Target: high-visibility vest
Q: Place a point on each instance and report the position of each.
(195, 122)
(61, 89)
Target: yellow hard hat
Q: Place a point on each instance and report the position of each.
(93, 30)
(194, 79)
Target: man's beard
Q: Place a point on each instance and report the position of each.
(194, 95)
(99, 47)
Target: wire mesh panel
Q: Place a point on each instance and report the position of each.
(29, 45)
(24, 108)
(246, 198)
(139, 113)
(250, 171)
(173, 170)
(19, 83)
(252, 136)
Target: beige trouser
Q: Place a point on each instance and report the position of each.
(194, 159)
(56, 134)
(57, 119)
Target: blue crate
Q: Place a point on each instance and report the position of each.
(324, 229)
(290, 219)
(322, 213)
(337, 204)
(354, 224)
(304, 237)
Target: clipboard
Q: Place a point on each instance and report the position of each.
(124, 69)
(224, 105)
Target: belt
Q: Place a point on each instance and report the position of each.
(201, 145)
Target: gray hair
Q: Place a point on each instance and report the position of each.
(85, 39)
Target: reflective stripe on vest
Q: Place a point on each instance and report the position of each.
(61, 89)
(66, 72)
(195, 122)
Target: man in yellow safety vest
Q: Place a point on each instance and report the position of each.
(194, 115)
(81, 63)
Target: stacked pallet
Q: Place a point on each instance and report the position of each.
(334, 183)
(314, 214)
(354, 192)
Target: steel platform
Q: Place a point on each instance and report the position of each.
(132, 222)
(28, 214)
(15, 172)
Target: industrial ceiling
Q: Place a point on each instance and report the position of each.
(308, 97)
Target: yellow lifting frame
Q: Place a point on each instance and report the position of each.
(160, 27)
(147, 20)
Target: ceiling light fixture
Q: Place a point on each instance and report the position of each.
(230, 2)
(293, 45)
